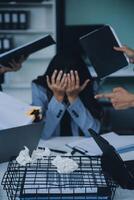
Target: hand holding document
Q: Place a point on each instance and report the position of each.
(98, 46)
(15, 113)
(25, 50)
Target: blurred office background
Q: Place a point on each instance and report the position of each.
(66, 21)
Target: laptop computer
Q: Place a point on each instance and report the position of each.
(98, 47)
(121, 172)
(13, 140)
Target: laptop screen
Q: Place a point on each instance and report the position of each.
(13, 140)
(112, 163)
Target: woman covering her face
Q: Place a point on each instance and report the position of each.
(65, 93)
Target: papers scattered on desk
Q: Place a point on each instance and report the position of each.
(65, 165)
(13, 112)
(24, 158)
(39, 154)
(88, 146)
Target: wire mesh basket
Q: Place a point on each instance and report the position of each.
(41, 181)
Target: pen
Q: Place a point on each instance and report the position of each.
(58, 151)
(54, 150)
(77, 150)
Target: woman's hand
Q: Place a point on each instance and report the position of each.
(128, 51)
(15, 65)
(57, 84)
(73, 86)
(120, 98)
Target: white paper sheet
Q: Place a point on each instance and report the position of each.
(13, 112)
(122, 143)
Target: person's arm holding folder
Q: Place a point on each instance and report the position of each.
(120, 97)
(15, 65)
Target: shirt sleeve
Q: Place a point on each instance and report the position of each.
(39, 97)
(83, 117)
(52, 110)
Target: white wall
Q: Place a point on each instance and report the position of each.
(118, 13)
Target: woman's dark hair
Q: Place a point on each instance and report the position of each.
(67, 62)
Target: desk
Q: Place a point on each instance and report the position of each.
(59, 143)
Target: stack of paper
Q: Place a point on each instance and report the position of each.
(13, 112)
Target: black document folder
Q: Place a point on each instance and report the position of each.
(26, 49)
(113, 164)
(98, 47)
